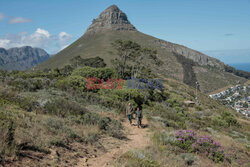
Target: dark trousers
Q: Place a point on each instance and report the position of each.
(139, 121)
(130, 118)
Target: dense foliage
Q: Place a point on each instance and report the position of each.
(133, 60)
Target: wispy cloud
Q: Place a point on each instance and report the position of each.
(1, 16)
(229, 34)
(40, 38)
(18, 20)
(64, 37)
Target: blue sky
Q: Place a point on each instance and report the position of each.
(204, 25)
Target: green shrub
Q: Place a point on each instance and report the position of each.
(163, 138)
(229, 118)
(77, 82)
(173, 103)
(188, 158)
(219, 121)
(63, 84)
(115, 130)
(30, 84)
(57, 127)
(95, 62)
(73, 81)
(198, 107)
(134, 96)
(11, 97)
(62, 107)
(158, 96)
(108, 126)
(226, 119)
(99, 73)
(59, 142)
(7, 143)
(136, 159)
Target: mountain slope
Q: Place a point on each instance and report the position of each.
(21, 58)
(112, 24)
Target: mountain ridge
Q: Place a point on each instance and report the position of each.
(21, 58)
(113, 24)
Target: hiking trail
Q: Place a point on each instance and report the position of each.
(137, 138)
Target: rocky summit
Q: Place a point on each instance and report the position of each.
(111, 18)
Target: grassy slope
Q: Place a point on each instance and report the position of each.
(100, 45)
(234, 140)
(48, 139)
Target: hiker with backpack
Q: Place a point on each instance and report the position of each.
(129, 113)
(139, 117)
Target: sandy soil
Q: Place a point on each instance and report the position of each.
(137, 138)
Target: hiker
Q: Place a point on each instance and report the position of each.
(139, 117)
(129, 112)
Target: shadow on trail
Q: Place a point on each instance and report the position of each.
(143, 126)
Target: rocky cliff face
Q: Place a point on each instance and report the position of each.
(194, 55)
(21, 58)
(111, 18)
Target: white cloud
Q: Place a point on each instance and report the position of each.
(40, 38)
(41, 32)
(18, 20)
(1, 16)
(4, 43)
(63, 36)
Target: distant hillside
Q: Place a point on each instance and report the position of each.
(21, 58)
(112, 24)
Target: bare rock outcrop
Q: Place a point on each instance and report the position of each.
(111, 18)
(194, 55)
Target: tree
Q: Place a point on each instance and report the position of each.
(143, 61)
(126, 51)
(133, 60)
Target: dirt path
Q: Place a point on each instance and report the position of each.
(137, 138)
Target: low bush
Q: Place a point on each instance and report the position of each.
(173, 103)
(95, 62)
(11, 97)
(29, 84)
(226, 119)
(108, 126)
(218, 121)
(7, 131)
(99, 73)
(71, 82)
(191, 142)
(62, 107)
(57, 127)
(136, 158)
(117, 97)
(171, 117)
(115, 130)
(229, 118)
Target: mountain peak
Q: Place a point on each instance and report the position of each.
(113, 8)
(111, 18)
